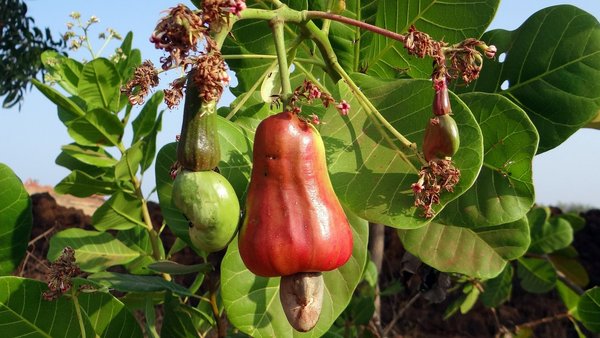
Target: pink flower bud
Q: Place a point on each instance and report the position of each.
(343, 107)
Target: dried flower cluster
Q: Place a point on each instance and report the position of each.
(214, 12)
(61, 273)
(145, 77)
(420, 44)
(178, 33)
(174, 94)
(465, 57)
(308, 92)
(437, 176)
(210, 73)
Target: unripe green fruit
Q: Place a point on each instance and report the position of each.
(209, 202)
(441, 138)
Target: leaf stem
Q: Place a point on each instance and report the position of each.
(154, 239)
(277, 25)
(376, 117)
(215, 310)
(309, 15)
(78, 312)
(544, 320)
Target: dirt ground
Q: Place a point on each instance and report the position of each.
(421, 319)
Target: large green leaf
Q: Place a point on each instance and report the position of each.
(97, 126)
(536, 275)
(94, 156)
(235, 165)
(24, 312)
(503, 191)
(109, 317)
(252, 303)
(128, 165)
(133, 58)
(80, 184)
(132, 283)
(480, 252)
(552, 68)
(65, 160)
(498, 289)
(588, 309)
(373, 179)
(64, 70)
(149, 144)
(138, 239)
(70, 109)
(121, 211)
(451, 21)
(94, 251)
(550, 236)
(182, 321)
(144, 122)
(99, 85)
(16, 220)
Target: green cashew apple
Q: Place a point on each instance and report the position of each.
(209, 202)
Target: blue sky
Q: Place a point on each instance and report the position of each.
(32, 137)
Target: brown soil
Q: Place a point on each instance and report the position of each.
(421, 319)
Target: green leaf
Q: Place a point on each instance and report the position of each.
(552, 66)
(503, 191)
(451, 21)
(236, 156)
(569, 297)
(143, 124)
(252, 302)
(132, 283)
(109, 316)
(81, 184)
(373, 179)
(25, 313)
(552, 235)
(121, 211)
(97, 126)
(182, 321)
(538, 216)
(94, 251)
(64, 70)
(498, 289)
(536, 275)
(70, 110)
(16, 220)
(175, 220)
(570, 267)
(99, 85)
(471, 298)
(65, 160)
(149, 144)
(589, 309)
(175, 268)
(235, 166)
(577, 222)
(138, 239)
(94, 156)
(480, 252)
(127, 68)
(128, 165)
(133, 58)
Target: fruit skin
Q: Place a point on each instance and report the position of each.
(441, 138)
(294, 221)
(209, 202)
(198, 147)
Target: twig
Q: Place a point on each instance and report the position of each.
(399, 314)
